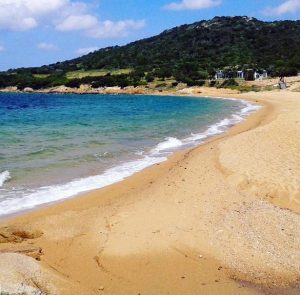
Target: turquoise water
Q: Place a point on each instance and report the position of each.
(54, 146)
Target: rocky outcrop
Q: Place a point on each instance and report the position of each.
(28, 89)
(16, 235)
(10, 89)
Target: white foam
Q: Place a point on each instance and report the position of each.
(4, 176)
(169, 144)
(224, 124)
(54, 193)
(249, 109)
(47, 194)
(212, 130)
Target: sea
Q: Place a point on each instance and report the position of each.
(56, 146)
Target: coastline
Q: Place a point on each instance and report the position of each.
(261, 85)
(142, 214)
(53, 194)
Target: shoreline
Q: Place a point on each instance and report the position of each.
(130, 90)
(262, 85)
(142, 213)
(187, 143)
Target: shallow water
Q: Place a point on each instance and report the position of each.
(55, 146)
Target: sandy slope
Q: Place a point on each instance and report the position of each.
(201, 223)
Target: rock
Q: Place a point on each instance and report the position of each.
(18, 235)
(25, 234)
(84, 88)
(28, 89)
(112, 90)
(21, 274)
(30, 251)
(60, 89)
(10, 89)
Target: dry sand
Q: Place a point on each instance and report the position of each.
(222, 218)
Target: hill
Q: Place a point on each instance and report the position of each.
(188, 53)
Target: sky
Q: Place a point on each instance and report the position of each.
(38, 32)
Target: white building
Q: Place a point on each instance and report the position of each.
(219, 75)
(240, 74)
(225, 75)
(260, 75)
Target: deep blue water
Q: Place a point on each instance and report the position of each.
(51, 139)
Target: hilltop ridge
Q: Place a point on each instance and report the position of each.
(210, 44)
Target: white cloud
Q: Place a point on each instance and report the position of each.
(2, 48)
(288, 6)
(77, 23)
(94, 28)
(193, 4)
(110, 29)
(83, 51)
(63, 15)
(39, 7)
(22, 15)
(47, 46)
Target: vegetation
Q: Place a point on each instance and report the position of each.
(229, 83)
(187, 54)
(95, 73)
(234, 85)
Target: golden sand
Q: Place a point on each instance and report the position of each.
(222, 218)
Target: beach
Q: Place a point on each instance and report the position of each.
(221, 218)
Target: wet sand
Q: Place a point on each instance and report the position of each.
(222, 218)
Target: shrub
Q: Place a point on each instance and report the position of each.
(161, 85)
(229, 83)
(149, 77)
(212, 83)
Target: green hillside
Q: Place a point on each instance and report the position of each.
(189, 53)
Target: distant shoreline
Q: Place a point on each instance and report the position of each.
(127, 90)
(245, 87)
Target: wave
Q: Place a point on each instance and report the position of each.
(43, 151)
(169, 143)
(48, 194)
(224, 124)
(4, 176)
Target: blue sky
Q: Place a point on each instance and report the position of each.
(37, 32)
